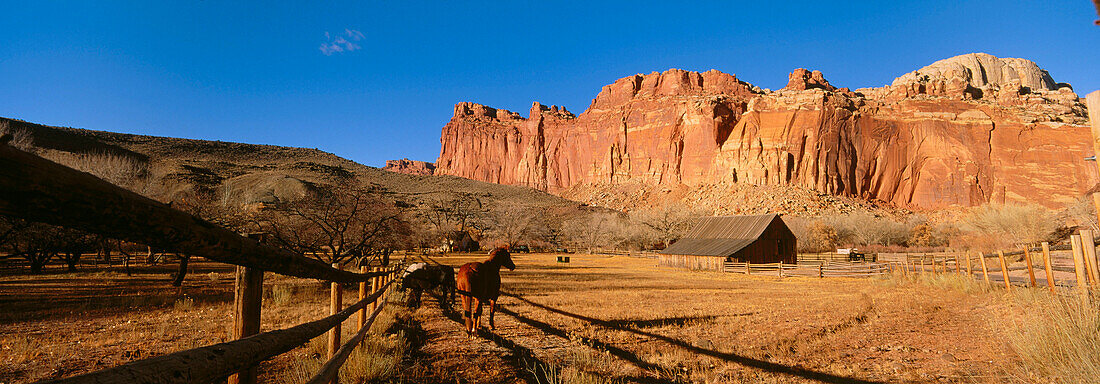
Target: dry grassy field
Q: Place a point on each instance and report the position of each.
(64, 324)
(596, 319)
(622, 319)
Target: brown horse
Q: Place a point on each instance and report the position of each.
(479, 282)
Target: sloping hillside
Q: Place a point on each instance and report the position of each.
(258, 173)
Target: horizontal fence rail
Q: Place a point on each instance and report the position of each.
(331, 369)
(40, 190)
(215, 362)
(828, 269)
(642, 254)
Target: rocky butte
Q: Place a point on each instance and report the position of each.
(412, 167)
(960, 132)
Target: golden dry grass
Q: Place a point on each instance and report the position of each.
(673, 325)
(66, 324)
(1057, 337)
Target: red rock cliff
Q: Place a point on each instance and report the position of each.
(411, 167)
(962, 131)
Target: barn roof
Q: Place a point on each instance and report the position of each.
(721, 235)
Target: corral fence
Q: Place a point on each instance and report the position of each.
(991, 266)
(39, 190)
(830, 257)
(620, 252)
(819, 269)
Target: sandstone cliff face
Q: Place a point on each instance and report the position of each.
(411, 167)
(960, 132)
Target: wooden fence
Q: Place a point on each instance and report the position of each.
(997, 265)
(642, 254)
(829, 257)
(39, 190)
(817, 269)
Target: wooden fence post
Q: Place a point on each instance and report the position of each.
(1047, 266)
(969, 267)
(821, 270)
(248, 294)
(1030, 269)
(985, 270)
(362, 295)
(780, 268)
(1004, 269)
(748, 271)
(905, 266)
(375, 283)
(1079, 264)
(1089, 253)
(334, 308)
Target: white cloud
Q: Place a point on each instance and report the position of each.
(344, 42)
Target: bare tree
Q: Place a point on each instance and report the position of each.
(868, 229)
(516, 224)
(593, 231)
(73, 244)
(335, 226)
(462, 212)
(1012, 224)
(668, 222)
(37, 243)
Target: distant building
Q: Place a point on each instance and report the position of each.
(715, 240)
(460, 241)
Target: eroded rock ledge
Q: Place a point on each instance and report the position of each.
(959, 132)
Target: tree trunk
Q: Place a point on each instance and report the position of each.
(71, 258)
(182, 271)
(38, 261)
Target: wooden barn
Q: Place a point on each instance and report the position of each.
(756, 239)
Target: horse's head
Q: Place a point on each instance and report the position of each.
(502, 257)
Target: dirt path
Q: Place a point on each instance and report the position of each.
(443, 353)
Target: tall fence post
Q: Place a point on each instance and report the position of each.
(1004, 269)
(1030, 269)
(248, 294)
(780, 268)
(985, 270)
(1079, 264)
(748, 271)
(969, 267)
(362, 295)
(1047, 266)
(335, 301)
(375, 283)
(1089, 253)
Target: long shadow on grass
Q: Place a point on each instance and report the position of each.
(730, 357)
(529, 365)
(593, 343)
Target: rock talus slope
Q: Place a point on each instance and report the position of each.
(960, 132)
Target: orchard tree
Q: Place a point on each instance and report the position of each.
(345, 223)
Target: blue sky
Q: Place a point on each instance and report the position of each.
(376, 81)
